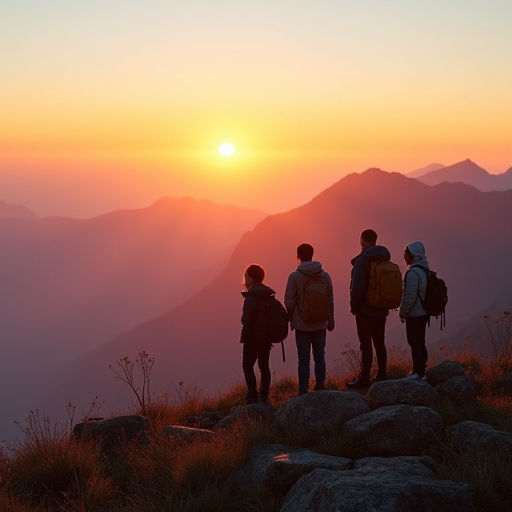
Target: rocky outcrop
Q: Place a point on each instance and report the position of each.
(387, 433)
(318, 414)
(275, 468)
(386, 437)
(394, 430)
(444, 371)
(458, 389)
(113, 431)
(403, 391)
(188, 434)
(386, 485)
(479, 439)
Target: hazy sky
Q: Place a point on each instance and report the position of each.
(115, 103)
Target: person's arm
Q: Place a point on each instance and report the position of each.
(359, 284)
(290, 296)
(248, 318)
(330, 322)
(409, 293)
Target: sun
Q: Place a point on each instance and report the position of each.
(226, 149)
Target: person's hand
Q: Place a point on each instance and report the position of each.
(330, 327)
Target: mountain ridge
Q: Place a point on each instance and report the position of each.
(470, 173)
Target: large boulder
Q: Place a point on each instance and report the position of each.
(113, 431)
(458, 389)
(405, 465)
(402, 391)
(189, 434)
(444, 371)
(319, 413)
(275, 468)
(393, 430)
(262, 413)
(479, 439)
(383, 491)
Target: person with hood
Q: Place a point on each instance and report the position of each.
(309, 335)
(256, 347)
(411, 307)
(370, 321)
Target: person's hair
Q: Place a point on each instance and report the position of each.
(305, 252)
(256, 272)
(368, 235)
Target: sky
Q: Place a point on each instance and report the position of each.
(110, 104)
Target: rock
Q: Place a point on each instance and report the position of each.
(458, 389)
(444, 371)
(405, 466)
(113, 430)
(402, 391)
(351, 491)
(186, 433)
(253, 412)
(393, 430)
(479, 439)
(319, 413)
(275, 468)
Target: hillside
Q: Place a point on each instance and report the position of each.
(16, 211)
(197, 342)
(68, 285)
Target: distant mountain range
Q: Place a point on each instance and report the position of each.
(466, 172)
(16, 211)
(67, 285)
(424, 170)
(197, 341)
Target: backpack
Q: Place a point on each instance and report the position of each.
(436, 296)
(315, 303)
(276, 322)
(385, 285)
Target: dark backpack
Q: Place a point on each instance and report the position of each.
(384, 285)
(276, 322)
(315, 304)
(436, 296)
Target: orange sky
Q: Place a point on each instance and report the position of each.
(112, 105)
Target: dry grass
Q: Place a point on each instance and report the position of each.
(47, 471)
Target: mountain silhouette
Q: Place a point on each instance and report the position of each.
(16, 211)
(424, 170)
(197, 342)
(68, 285)
(470, 173)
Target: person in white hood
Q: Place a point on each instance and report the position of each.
(412, 311)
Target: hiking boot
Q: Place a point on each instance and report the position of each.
(359, 383)
(413, 376)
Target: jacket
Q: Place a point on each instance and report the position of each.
(293, 296)
(415, 283)
(360, 278)
(254, 314)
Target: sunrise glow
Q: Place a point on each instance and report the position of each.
(226, 149)
(145, 96)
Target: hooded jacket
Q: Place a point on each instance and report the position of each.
(253, 314)
(360, 278)
(415, 283)
(293, 296)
